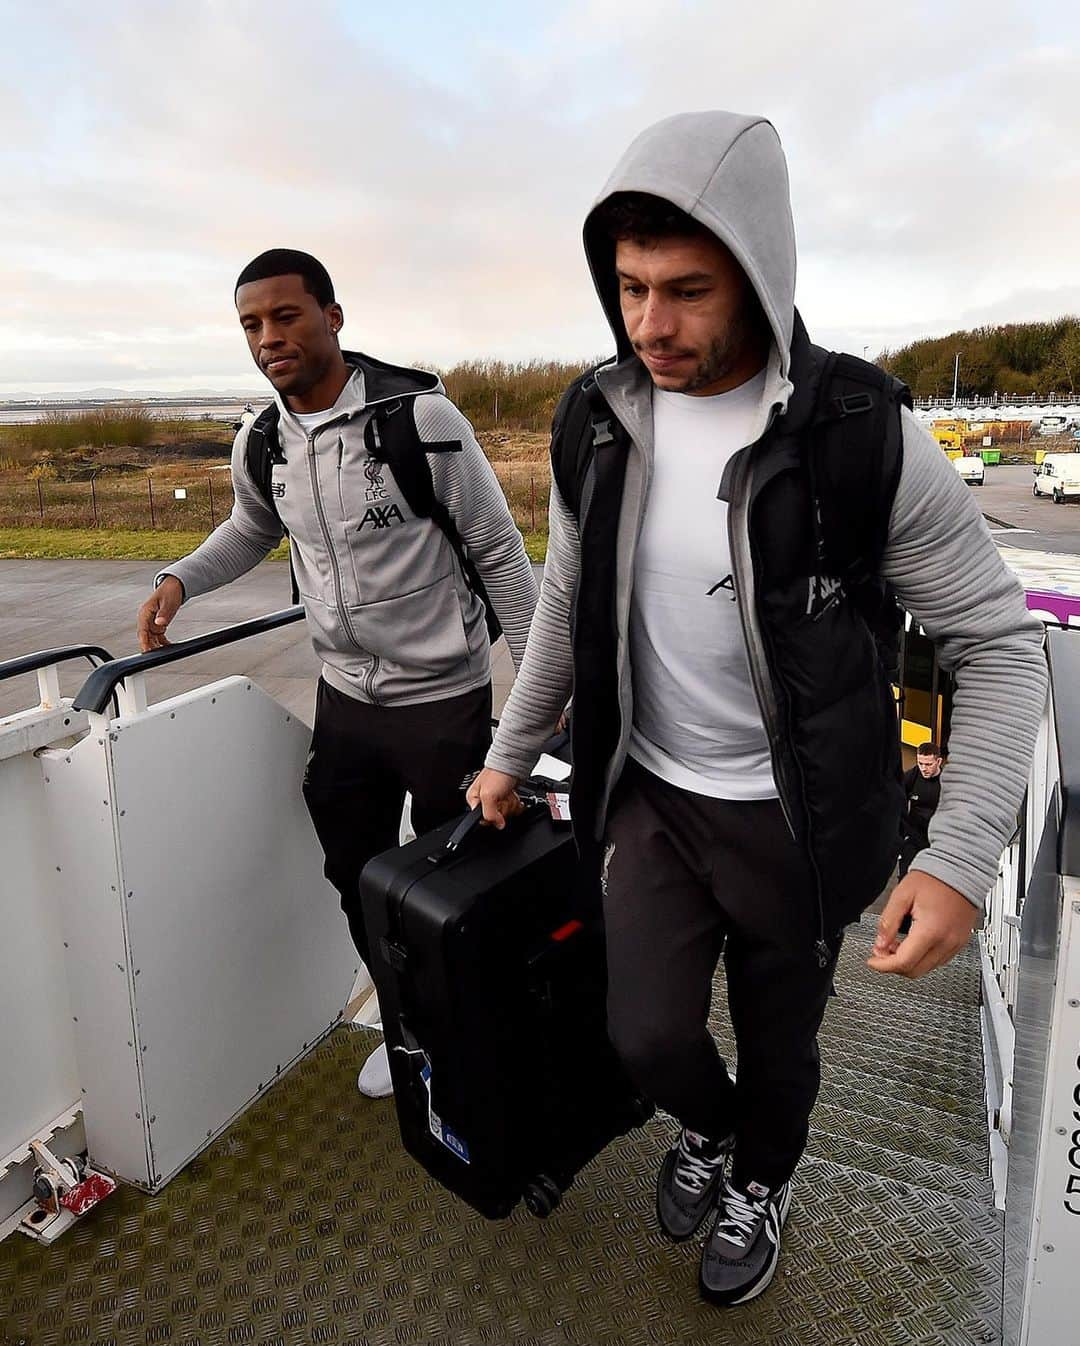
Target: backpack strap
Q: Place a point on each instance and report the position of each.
(583, 423)
(391, 437)
(261, 451)
(854, 458)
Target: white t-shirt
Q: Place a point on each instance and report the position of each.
(696, 719)
(311, 420)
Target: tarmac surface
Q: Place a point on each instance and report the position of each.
(1018, 519)
(50, 603)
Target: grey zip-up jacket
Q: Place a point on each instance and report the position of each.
(388, 608)
(729, 173)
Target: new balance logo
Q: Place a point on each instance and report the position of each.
(277, 489)
(381, 516)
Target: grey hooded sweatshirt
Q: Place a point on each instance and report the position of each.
(388, 607)
(728, 172)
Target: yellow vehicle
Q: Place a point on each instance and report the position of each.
(949, 434)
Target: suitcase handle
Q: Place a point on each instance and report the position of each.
(472, 820)
(468, 825)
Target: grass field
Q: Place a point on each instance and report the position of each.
(120, 500)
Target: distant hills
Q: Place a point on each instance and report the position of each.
(126, 395)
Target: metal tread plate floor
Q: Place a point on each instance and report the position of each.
(307, 1224)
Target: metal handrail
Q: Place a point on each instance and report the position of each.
(31, 663)
(94, 694)
(1063, 652)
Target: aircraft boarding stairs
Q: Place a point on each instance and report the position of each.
(174, 975)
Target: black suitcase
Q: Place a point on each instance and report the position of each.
(489, 962)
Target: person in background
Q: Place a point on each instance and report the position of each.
(922, 787)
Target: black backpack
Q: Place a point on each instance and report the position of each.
(391, 437)
(851, 484)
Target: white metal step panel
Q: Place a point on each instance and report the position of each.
(238, 957)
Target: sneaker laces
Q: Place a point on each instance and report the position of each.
(739, 1216)
(695, 1170)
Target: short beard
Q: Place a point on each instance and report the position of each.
(727, 352)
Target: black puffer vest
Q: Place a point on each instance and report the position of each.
(815, 493)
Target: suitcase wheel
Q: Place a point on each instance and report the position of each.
(542, 1195)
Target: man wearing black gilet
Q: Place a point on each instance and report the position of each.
(922, 787)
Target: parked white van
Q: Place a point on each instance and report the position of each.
(1058, 476)
(972, 470)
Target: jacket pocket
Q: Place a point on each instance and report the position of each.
(423, 629)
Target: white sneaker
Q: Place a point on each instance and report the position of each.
(374, 1079)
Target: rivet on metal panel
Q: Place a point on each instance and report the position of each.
(1061, 1131)
(112, 887)
(137, 971)
(172, 714)
(46, 780)
(248, 687)
(209, 1134)
(154, 1118)
(66, 944)
(67, 759)
(138, 1116)
(1074, 1003)
(213, 700)
(131, 892)
(1048, 1247)
(122, 812)
(1075, 905)
(101, 743)
(120, 966)
(59, 870)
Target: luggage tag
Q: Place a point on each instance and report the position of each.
(558, 806)
(441, 1132)
(550, 772)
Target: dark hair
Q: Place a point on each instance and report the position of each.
(641, 217)
(290, 262)
(928, 750)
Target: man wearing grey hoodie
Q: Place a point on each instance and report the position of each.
(737, 769)
(404, 701)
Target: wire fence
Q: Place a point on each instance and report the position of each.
(202, 502)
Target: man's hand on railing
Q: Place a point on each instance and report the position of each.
(941, 924)
(157, 612)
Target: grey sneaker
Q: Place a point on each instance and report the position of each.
(743, 1249)
(689, 1181)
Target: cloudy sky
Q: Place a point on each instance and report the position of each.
(440, 158)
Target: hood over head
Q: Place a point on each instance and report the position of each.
(728, 172)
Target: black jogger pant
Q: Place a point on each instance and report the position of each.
(362, 760)
(688, 878)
